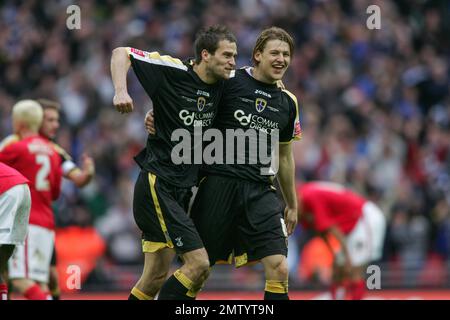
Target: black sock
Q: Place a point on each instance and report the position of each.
(132, 297)
(177, 287)
(275, 296)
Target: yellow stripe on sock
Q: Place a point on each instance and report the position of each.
(140, 295)
(187, 283)
(275, 286)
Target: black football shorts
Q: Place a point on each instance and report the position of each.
(160, 211)
(239, 219)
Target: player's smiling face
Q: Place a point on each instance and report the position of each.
(50, 123)
(222, 62)
(273, 60)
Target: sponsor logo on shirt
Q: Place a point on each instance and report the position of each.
(138, 52)
(263, 93)
(196, 119)
(255, 121)
(203, 93)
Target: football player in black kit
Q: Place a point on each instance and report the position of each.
(163, 189)
(236, 210)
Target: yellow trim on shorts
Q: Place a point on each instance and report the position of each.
(242, 260)
(275, 286)
(150, 246)
(152, 182)
(140, 295)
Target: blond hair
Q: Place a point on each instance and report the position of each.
(28, 112)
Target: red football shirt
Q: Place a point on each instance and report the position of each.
(39, 162)
(325, 204)
(9, 178)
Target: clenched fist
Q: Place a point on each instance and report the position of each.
(123, 102)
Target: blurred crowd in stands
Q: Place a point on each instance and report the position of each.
(375, 104)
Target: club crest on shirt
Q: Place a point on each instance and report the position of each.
(201, 103)
(260, 104)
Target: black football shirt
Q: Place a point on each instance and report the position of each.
(181, 101)
(249, 110)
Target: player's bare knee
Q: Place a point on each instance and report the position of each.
(197, 267)
(280, 268)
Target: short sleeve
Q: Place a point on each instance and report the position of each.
(293, 130)
(150, 68)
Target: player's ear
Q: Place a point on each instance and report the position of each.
(257, 56)
(205, 55)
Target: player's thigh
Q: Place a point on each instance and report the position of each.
(377, 225)
(358, 243)
(158, 263)
(32, 260)
(213, 213)
(15, 206)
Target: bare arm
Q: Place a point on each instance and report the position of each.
(120, 64)
(286, 178)
(82, 176)
(344, 255)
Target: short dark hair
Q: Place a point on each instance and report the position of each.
(209, 40)
(49, 104)
(272, 33)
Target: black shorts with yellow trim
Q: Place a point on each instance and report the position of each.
(239, 219)
(160, 211)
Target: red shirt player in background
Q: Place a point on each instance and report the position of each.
(79, 176)
(15, 204)
(358, 225)
(37, 159)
